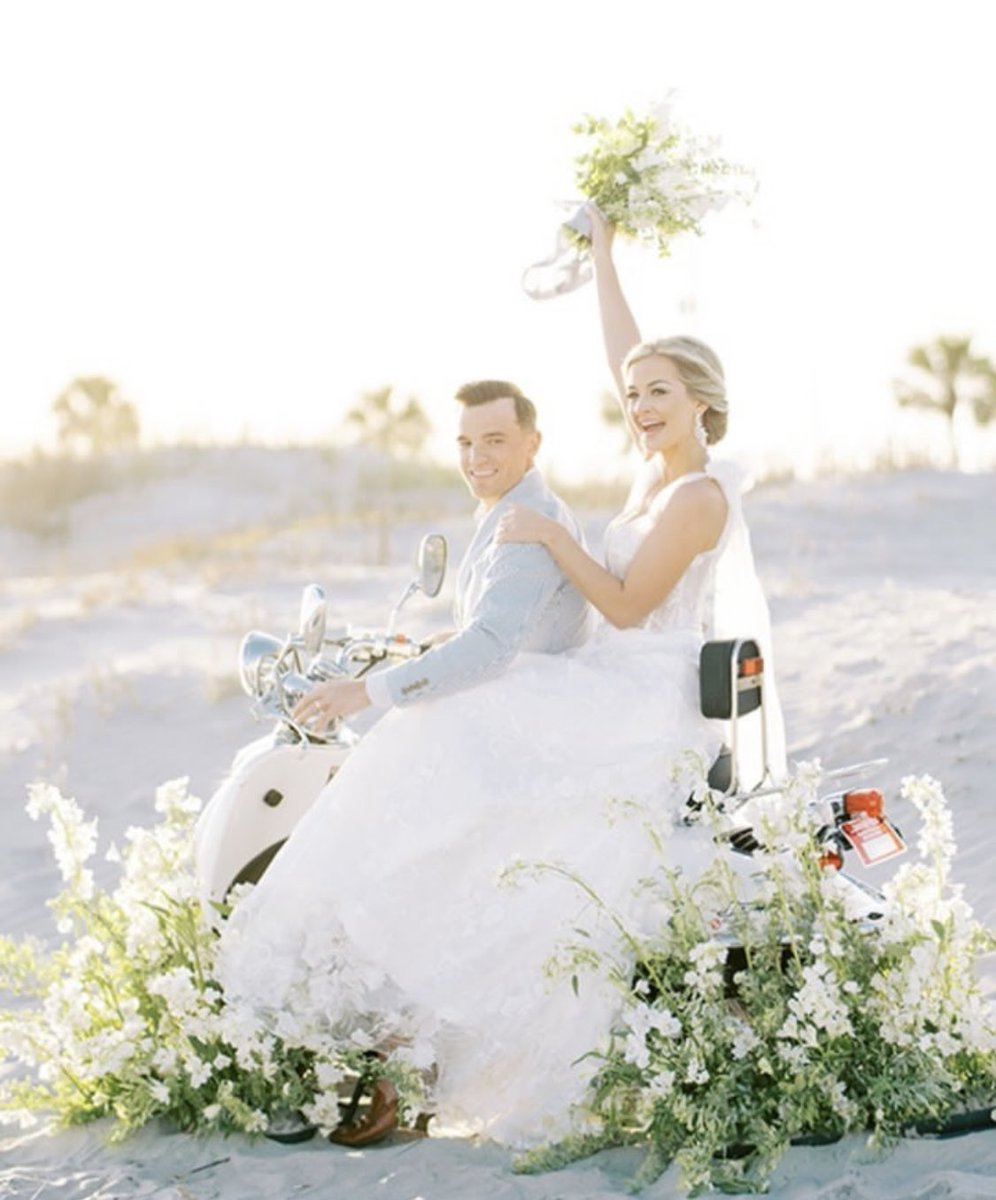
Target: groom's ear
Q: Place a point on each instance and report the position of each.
(536, 440)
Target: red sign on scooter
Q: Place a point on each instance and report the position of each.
(873, 838)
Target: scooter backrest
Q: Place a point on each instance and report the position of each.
(731, 678)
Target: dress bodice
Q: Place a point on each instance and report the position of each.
(688, 607)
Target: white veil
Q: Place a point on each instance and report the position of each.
(740, 609)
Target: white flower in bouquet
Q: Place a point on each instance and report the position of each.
(652, 178)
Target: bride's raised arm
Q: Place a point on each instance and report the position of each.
(620, 332)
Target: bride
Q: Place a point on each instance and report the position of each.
(386, 920)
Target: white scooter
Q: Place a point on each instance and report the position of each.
(275, 780)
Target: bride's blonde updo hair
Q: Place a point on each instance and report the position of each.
(699, 369)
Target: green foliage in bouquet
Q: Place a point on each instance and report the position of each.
(820, 1026)
(125, 1020)
(652, 179)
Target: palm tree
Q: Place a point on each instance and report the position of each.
(94, 418)
(398, 431)
(947, 375)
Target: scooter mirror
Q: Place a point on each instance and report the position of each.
(256, 649)
(314, 609)
(432, 563)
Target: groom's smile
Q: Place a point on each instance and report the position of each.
(495, 450)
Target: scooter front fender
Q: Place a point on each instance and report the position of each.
(270, 787)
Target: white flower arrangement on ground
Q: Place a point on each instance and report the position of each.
(818, 1027)
(652, 178)
(125, 1020)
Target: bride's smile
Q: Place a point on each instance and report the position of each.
(660, 407)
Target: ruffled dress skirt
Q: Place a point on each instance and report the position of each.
(391, 912)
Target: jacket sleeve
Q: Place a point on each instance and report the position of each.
(520, 582)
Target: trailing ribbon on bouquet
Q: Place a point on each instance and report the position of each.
(568, 267)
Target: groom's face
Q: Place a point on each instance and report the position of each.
(495, 451)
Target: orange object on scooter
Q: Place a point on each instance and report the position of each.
(869, 802)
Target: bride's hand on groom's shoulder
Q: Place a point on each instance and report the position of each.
(522, 524)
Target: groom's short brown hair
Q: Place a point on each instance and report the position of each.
(483, 391)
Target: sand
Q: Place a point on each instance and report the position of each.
(117, 656)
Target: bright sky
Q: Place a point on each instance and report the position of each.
(248, 212)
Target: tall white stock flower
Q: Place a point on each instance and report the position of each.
(662, 1084)
(198, 1071)
(936, 839)
(707, 958)
(635, 1049)
(743, 1040)
(817, 1003)
(42, 798)
(73, 839)
(696, 1071)
(165, 1059)
(177, 988)
(323, 1109)
(173, 800)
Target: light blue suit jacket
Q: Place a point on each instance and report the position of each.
(509, 598)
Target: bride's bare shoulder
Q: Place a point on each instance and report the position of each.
(700, 502)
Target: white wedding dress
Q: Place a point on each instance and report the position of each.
(383, 916)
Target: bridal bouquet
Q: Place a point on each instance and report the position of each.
(819, 1027)
(651, 178)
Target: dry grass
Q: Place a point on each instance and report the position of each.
(110, 590)
(221, 687)
(110, 689)
(37, 494)
(55, 729)
(15, 624)
(235, 550)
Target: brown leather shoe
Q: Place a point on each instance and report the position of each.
(381, 1119)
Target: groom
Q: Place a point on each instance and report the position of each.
(509, 597)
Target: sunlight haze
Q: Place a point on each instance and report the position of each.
(247, 214)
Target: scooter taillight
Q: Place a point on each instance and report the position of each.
(830, 860)
(868, 802)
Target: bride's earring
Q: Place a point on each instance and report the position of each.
(700, 429)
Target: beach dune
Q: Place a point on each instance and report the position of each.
(117, 672)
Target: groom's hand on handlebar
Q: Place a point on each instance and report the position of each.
(336, 698)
